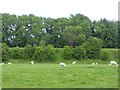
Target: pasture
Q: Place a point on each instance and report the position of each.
(52, 76)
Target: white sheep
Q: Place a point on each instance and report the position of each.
(62, 64)
(113, 63)
(2, 64)
(9, 63)
(32, 62)
(93, 63)
(74, 62)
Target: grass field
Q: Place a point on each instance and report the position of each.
(52, 76)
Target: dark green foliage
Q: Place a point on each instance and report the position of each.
(109, 54)
(16, 53)
(5, 52)
(38, 54)
(79, 53)
(67, 52)
(92, 46)
(108, 32)
(28, 51)
(73, 31)
(44, 53)
(104, 55)
(50, 52)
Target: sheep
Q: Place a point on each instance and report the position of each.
(32, 62)
(74, 62)
(62, 64)
(9, 63)
(113, 63)
(93, 63)
(2, 64)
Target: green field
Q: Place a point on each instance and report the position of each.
(52, 76)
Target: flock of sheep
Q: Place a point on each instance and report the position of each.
(111, 63)
(7, 63)
(62, 64)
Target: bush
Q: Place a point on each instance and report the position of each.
(28, 51)
(44, 53)
(92, 46)
(38, 53)
(67, 52)
(79, 53)
(5, 52)
(50, 52)
(104, 55)
(16, 52)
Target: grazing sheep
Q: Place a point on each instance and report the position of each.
(9, 63)
(62, 64)
(113, 63)
(2, 64)
(32, 62)
(93, 63)
(74, 62)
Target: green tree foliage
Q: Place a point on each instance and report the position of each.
(92, 46)
(79, 53)
(82, 21)
(44, 53)
(50, 52)
(104, 55)
(16, 53)
(38, 53)
(67, 52)
(108, 32)
(73, 31)
(5, 52)
(22, 30)
(72, 35)
(9, 27)
(28, 51)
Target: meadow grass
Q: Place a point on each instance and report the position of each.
(52, 76)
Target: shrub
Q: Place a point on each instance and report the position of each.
(67, 52)
(5, 52)
(16, 53)
(38, 53)
(50, 52)
(28, 51)
(104, 55)
(79, 53)
(92, 46)
(44, 53)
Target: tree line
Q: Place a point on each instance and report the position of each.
(73, 31)
(89, 49)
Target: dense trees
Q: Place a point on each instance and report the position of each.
(108, 32)
(89, 49)
(73, 31)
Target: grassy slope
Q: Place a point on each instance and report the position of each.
(52, 76)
